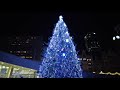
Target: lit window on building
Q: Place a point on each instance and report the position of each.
(89, 63)
(28, 56)
(10, 51)
(27, 41)
(113, 38)
(4, 70)
(31, 37)
(24, 51)
(88, 59)
(22, 56)
(79, 58)
(85, 37)
(17, 51)
(3, 66)
(84, 59)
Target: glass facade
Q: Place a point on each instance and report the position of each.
(13, 71)
(4, 71)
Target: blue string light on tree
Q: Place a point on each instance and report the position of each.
(60, 59)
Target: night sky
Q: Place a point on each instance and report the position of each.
(43, 23)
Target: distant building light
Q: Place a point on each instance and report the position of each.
(118, 37)
(22, 56)
(28, 56)
(89, 36)
(79, 58)
(7, 67)
(84, 58)
(27, 42)
(88, 59)
(89, 63)
(18, 51)
(94, 33)
(113, 38)
(24, 51)
(85, 37)
(31, 37)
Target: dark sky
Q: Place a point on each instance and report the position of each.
(79, 23)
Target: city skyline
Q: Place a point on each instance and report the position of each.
(92, 35)
(79, 24)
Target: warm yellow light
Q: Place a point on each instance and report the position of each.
(109, 73)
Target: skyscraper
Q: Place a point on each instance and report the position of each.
(94, 50)
(28, 47)
(91, 42)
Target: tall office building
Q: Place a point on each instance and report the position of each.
(91, 42)
(29, 47)
(93, 50)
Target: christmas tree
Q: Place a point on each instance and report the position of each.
(60, 59)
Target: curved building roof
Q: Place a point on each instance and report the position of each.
(12, 59)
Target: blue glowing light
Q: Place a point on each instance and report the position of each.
(67, 40)
(60, 59)
(60, 18)
(63, 54)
